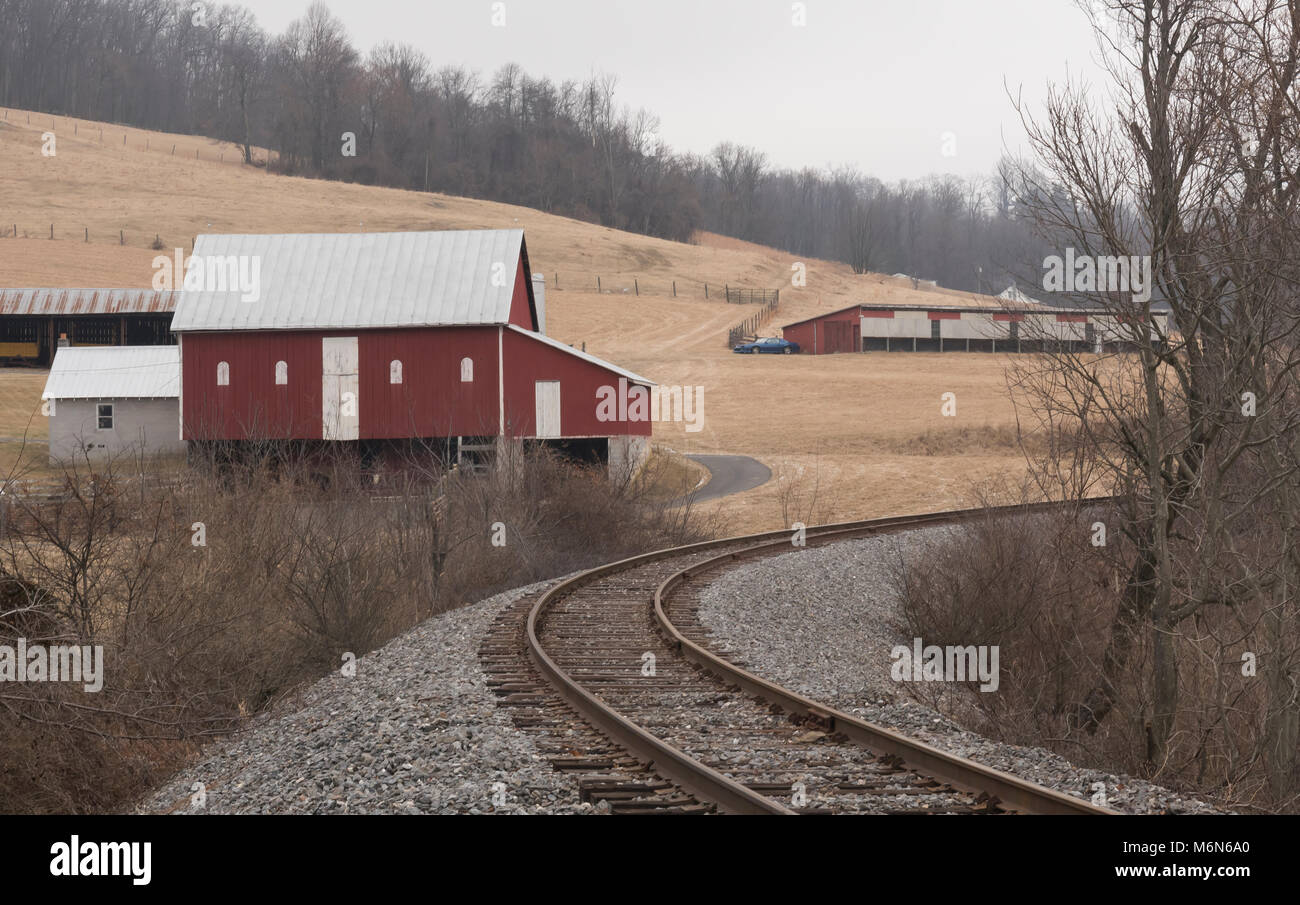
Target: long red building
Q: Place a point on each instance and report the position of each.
(384, 337)
(1013, 326)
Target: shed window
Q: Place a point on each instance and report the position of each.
(467, 370)
(281, 373)
(394, 371)
(104, 416)
(223, 374)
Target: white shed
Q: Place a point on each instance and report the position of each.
(106, 400)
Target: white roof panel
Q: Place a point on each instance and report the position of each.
(634, 378)
(114, 372)
(359, 280)
(1013, 294)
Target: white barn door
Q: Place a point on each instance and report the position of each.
(340, 389)
(548, 408)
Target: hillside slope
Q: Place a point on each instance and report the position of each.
(865, 430)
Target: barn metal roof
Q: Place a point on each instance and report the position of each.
(114, 372)
(1008, 307)
(600, 362)
(62, 302)
(345, 281)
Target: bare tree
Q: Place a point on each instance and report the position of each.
(319, 62)
(1194, 427)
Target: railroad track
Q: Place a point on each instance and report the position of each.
(613, 675)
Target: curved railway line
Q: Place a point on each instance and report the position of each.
(614, 677)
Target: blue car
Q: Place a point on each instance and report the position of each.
(769, 344)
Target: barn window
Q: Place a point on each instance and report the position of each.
(281, 373)
(467, 370)
(223, 374)
(394, 371)
(104, 416)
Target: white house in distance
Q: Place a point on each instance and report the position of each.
(106, 400)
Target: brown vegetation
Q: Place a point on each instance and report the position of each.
(217, 595)
(1173, 649)
(1037, 588)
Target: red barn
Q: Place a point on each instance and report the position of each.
(383, 337)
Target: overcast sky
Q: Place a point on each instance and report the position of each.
(888, 86)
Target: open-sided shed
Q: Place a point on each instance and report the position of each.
(32, 321)
(1015, 326)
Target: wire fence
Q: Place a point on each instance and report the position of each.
(753, 296)
(748, 329)
(83, 234)
(631, 285)
(636, 285)
(192, 147)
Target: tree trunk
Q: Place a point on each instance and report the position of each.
(1282, 721)
(1134, 607)
(1164, 682)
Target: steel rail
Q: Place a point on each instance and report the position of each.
(959, 772)
(711, 785)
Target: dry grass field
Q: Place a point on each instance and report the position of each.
(867, 429)
(23, 437)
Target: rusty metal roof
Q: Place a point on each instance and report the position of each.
(340, 280)
(63, 302)
(114, 372)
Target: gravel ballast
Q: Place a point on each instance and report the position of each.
(416, 730)
(822, 622)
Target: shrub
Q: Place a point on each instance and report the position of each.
(220, 590)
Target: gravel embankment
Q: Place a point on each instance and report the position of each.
(416, 730)
(825, 628)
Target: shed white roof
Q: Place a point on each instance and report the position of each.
(555, 343)
(359, 280)
(114, 372)
(1013, 294)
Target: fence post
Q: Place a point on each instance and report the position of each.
(121, 237)
(674, 289)
(87, 233)
(636, 286)
(706, 291)
(598, 285)
(51, 230)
